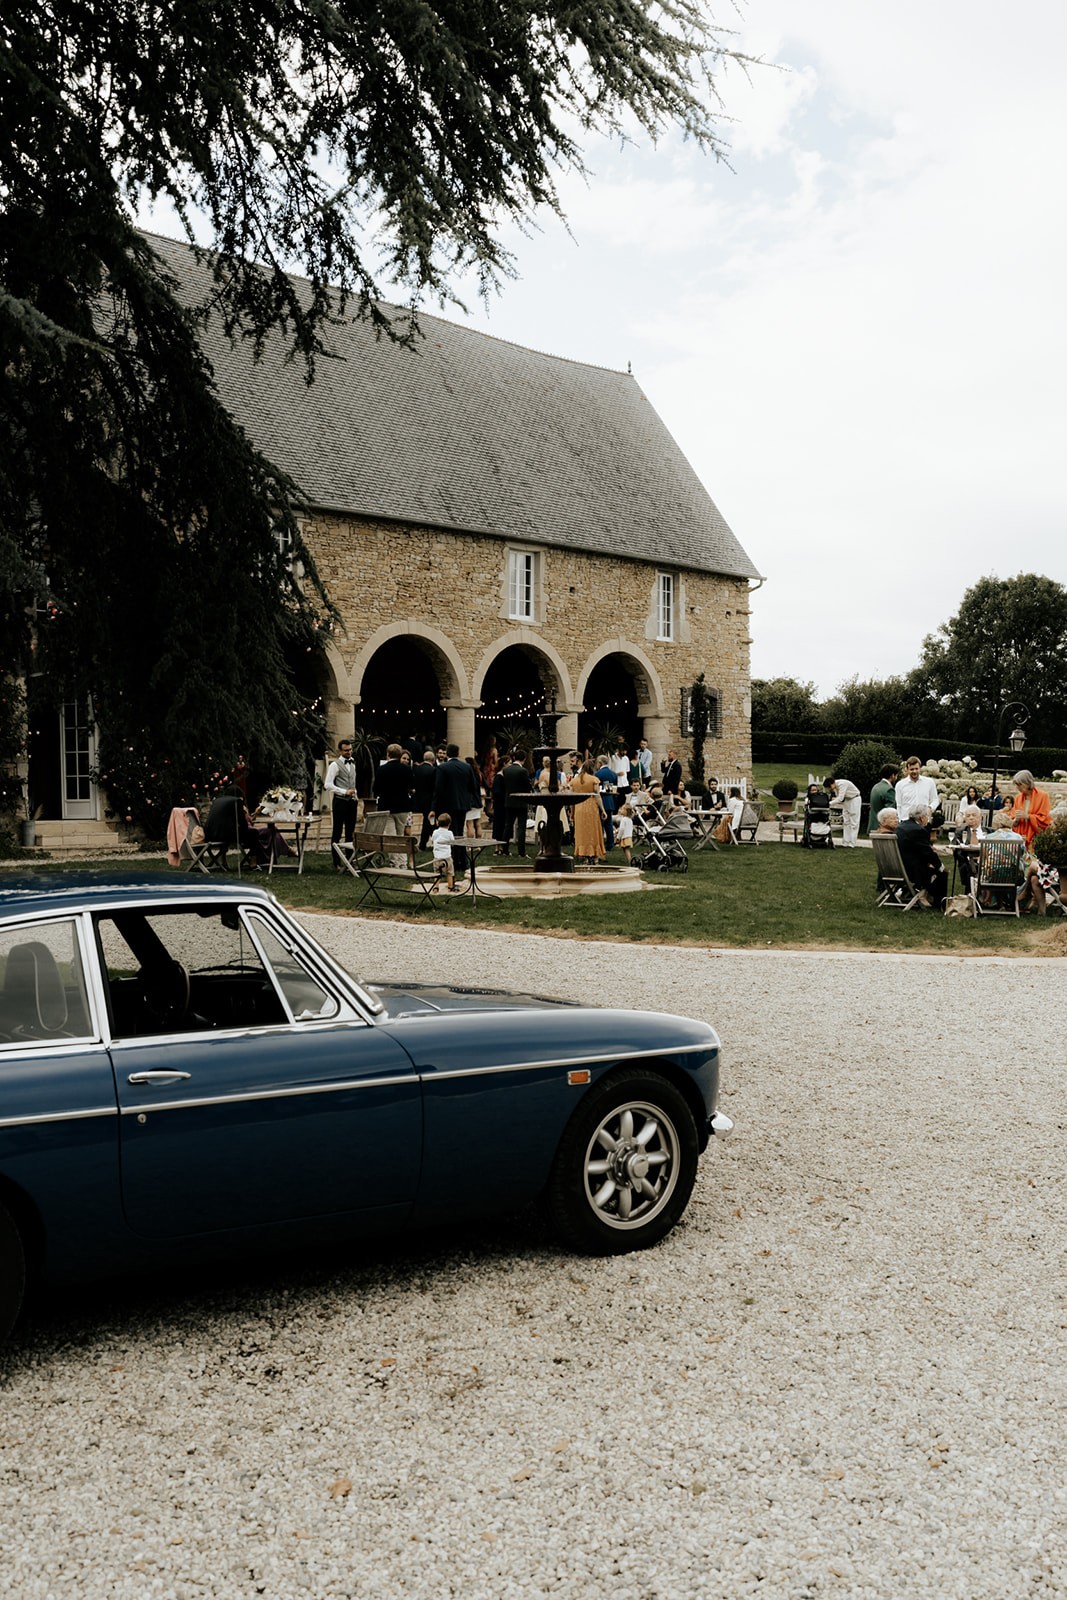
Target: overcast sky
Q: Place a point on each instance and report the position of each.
(857, 336)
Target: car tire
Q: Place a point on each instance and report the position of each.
(626, 1165)
(12, 1273)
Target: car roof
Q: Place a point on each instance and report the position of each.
(32, 892)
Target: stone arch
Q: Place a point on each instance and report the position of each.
(451, 673)
(341, 686)
(535, 646)
(646, 680)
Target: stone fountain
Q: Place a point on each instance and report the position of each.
(553, 872)
(554, 800)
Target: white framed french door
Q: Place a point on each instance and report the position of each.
(77, 749)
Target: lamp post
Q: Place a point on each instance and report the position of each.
(1016, 738)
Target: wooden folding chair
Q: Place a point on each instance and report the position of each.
(898, 893)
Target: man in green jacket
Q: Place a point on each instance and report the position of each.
(883, 794)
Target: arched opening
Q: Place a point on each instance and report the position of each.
(400, 697)
(615, 688)
(519, 683)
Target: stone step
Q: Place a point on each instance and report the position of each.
(79, 838)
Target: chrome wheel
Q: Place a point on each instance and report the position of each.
(631, 1165)
(626, 1164)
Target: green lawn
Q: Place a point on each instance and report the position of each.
(765, 774)
(766, 896)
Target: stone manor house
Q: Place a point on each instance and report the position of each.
(499, 529)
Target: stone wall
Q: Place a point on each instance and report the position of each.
(448, 592)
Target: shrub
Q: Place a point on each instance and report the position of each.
(1051, 846)
(863, 762)
(785, 790)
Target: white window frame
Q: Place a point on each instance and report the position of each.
(666, 606)
(524, 581)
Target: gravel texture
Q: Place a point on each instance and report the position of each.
(842, 1376)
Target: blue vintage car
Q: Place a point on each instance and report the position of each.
(185, 1072)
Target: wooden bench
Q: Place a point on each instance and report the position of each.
(386, 858)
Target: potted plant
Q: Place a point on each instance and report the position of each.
(785, 792)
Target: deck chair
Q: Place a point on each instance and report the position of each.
(897, 892)
(997, 877)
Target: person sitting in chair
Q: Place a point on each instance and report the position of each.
(228, 822)
(921, 861)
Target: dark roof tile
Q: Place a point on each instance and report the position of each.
(470, 432)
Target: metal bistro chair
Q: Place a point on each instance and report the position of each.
(997, 877)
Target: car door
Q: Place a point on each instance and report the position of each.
(58, 1117)
(302, 1110)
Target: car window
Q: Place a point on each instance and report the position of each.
(187, 970)
(307, 998)
(43, 998)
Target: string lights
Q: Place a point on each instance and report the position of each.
(501, 709)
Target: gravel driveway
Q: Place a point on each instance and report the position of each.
(843, 1376)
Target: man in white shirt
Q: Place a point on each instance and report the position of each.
(340, 785)
(914, 790)
(848, 798)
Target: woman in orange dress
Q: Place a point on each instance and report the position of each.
(588, 816)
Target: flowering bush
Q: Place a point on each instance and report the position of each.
(963, 768)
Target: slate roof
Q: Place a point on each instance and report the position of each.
(471, 433)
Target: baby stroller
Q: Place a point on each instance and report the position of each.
(817, 835)
(666, 853)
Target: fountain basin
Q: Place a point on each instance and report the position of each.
(512, 879)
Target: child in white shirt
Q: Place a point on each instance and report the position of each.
(624, 830)
(442, 839)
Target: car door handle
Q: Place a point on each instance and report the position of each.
(158, 1077)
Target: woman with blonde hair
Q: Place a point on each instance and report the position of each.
(1031, 810)
(588, 818)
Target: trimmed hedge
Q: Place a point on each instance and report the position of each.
(823, 749)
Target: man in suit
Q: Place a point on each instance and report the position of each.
(515, 779)
(672, 773)
(921, 861)
(392, 789)
(423, 775)
(455, 791)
